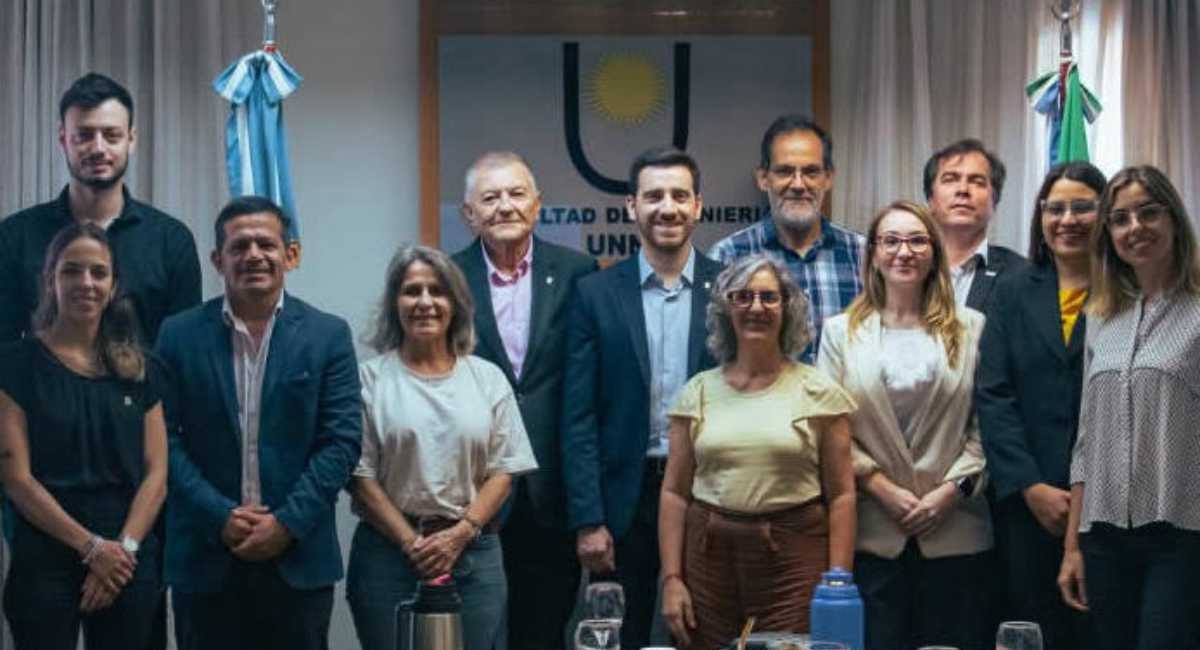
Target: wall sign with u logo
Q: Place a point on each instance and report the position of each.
(623, 72)
(580, 108)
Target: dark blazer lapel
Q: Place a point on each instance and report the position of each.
(703, 277)
(1044, 310)
(220, 350)
(629, 295)
(487, 334)
(545, 286)
(985, 277)
(282, 345)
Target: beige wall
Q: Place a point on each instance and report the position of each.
(353, 134)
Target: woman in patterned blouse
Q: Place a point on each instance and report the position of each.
(1132, 549)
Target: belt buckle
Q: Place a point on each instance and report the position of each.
(430, 524)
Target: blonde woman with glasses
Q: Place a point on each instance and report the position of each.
(906, 354)
(1132, 547)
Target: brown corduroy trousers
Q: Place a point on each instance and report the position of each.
(762, 565)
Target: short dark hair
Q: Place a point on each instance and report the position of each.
(663, 156)
(91, 90)
(996, 170)
(1078, 170)
(244, 205)
(792, 123)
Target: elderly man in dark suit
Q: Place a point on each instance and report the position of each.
(963, 182)
(520, 285)
(264, 428)
(635, 335)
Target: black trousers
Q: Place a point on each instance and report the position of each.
(43, 589)
(914, 601)
(543, 577)
(1029, 560)
(257, 610)
(638, 564)
(1142, 587)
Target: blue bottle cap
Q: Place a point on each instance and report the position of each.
(836, 584)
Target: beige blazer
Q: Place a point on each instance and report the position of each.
(945, 441)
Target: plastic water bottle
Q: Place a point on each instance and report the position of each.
(837, 610)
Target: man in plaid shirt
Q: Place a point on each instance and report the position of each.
(796, 172)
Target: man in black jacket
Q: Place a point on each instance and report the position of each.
(520, 285)
(963, 182)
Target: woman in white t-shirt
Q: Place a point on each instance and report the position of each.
(442, 439)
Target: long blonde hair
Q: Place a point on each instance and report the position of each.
(1114, 284)
(938, 310)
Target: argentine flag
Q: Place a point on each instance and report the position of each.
(256, 154)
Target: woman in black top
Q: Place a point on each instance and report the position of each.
(1028, 387)
(83, 457)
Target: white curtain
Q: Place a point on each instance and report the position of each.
(165, 52)
(1162, 90)
(919, 74)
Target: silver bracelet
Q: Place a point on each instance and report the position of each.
(90, 549)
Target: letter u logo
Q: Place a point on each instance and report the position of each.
(571, 115)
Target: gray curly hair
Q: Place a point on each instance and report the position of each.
(722, 340)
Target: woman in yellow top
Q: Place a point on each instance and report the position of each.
(1027, 393)
(906, 353)
(758, 497)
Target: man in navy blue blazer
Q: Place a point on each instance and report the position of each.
(635, 334)
(264, 430)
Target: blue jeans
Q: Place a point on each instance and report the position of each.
(380, 577)
(1141, 586)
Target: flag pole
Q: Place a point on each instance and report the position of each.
(269, 24)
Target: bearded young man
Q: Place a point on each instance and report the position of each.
(635, 335)
(159, 267)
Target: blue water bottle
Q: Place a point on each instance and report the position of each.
(837, 610)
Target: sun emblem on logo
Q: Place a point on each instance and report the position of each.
(626, 88)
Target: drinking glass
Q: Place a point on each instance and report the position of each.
(937, 647)
(604, 601)
(1019, 635)
(826, 645)
(598, 634)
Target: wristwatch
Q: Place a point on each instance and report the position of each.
(966, 486)
(130, 545)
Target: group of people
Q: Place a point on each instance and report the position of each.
(976, 435)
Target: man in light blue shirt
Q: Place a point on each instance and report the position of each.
(665, 308)
(635, 334)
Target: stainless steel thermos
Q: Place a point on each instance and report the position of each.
(432, 619)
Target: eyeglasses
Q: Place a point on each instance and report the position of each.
(1059, 209)
(890, 244)
(744, 298)
(1146, 215)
